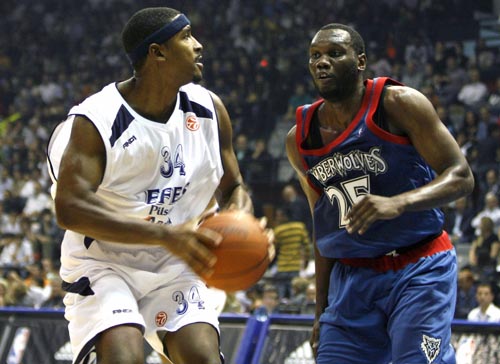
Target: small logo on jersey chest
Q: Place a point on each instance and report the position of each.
(129, 141)
(192, 123)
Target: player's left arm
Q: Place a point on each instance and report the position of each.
(232, 191)
(410, 113)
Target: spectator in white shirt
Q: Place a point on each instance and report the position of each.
(17, 251)
(474, 92)
(37, 202)
(486, 311)
(491, 210)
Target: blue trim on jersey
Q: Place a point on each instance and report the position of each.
(81, 287)
(87, 241)
(120, 124)
(187, 105)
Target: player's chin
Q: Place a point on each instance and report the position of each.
(198, 77)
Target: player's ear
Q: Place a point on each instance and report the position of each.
(361, 62)
(156, 50)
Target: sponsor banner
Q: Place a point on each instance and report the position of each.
(35, 337)
(288, 343)
(31, 337)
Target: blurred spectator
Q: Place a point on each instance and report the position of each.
(484, 251)
(293, 251)
(471, 126)
(250, 299)
(296, 206)
(444, 116)
(438, 58)
(56, 295)
(486, 116)
(488, 147)
(466, 293)
(452, 79)
(486, 311)
(20, 294)
(241, 147)
(11, 222)
(48, 236)
(259, 167)
(411, 76)
(485, 56)
(458, 219)
(309, 305)
(232, 304)
(491, 210)
(37, 201)
(379, 65)
(270, 301)
(3, 292)
(303, 299)
(490, 183)
(298, 98)
(475, 92)
(416, 52)
(17, 251)
(494, 98)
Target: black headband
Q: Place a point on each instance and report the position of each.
(160, 36)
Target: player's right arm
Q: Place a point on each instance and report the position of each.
(79, 209)
(323, 266)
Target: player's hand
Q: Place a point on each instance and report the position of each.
(270, 238)
(371, 208)
(314, 340)
(193, 245)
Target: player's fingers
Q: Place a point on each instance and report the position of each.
(208, 237)
(270, 235)
(362, 222)
(198, 256)
(199, 267)
(357, 207)
(263, 222)
(271, 252)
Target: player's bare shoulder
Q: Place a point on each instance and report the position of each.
(407, 108)
(291, 141)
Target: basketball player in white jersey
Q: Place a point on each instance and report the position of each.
(134, 168)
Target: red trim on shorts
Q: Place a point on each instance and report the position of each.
(396, 262)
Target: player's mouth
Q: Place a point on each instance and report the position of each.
(199, 63)
(323, 76)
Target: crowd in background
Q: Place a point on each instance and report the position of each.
(255, 55)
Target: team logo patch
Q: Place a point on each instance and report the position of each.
(161, 318)
(431, 347)
(192, 123)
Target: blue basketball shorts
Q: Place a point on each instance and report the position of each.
(398, 316)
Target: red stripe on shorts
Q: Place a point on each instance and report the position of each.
(399, 261)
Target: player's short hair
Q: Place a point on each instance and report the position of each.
(144, 23)
(357, 41)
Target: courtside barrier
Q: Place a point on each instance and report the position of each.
(30, 336)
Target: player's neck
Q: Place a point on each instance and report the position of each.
(154, 103)
(338, 115)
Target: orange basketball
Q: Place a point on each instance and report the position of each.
(242, 255)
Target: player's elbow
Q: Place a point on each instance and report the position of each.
(65, 218)
(465, 181)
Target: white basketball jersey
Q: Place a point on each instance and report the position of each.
(165, 172)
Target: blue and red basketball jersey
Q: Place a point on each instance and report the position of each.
(364, 159)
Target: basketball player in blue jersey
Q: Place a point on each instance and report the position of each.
(135, 167)
(376, 163)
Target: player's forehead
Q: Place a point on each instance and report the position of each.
(331, 37)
